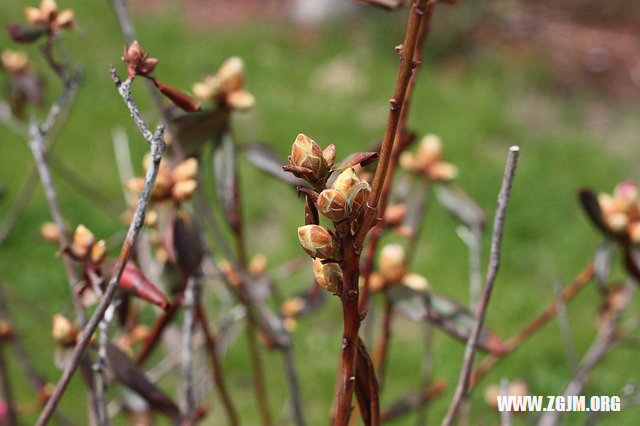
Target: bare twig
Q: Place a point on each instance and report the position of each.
(157, 148)
(294, 388)
(189, 304)
(565, 329)
(492, 271)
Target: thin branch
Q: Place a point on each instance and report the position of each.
(7, 392)
(565, 329)
(294, 387)
(492, 271)
(189, 305)
(157, 148)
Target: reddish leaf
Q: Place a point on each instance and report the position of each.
(591, 206)
(25, 33)
(366, 388)
(194, 129)
(362, 158)
(297, 171)
(127, 373)
(180, 99)
(134, 281)
(187, 244)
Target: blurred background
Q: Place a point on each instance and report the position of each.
(560, 80)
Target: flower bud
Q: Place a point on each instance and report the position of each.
(185, 170)
(442, 171)
(48, 9)
(207, 90)
(231, 74)
(240, 100)
(15, 61)
(606, 203)
(408, 161)
(6, 330)
(357, 197)
(98, 251)
(229, 272)
(133, 54)
(34, 16)
(617, 222)
(415, 282)
(394, 214)
(625, 196)
(183, 190)
(258, 265)
(634, 232)
(346, 180)
(392, 263)
(429, 150)
(151, 218)
(83, 239)
(333, 205)
(318, 241)
(64, 20)
(305, 152)
(329, 155)
(63, 331)
(45, 392)
(291, 308)
(328, 276)
(290, 324)
(50, 232)
(376, 282)
(135, 185)
(163, 186)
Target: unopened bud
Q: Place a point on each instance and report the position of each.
(392, 263)
(291, 308)
(346, 180)
(333, 205)
(185, 170)
(408, 161)
(64, 20)
(376, 282)
(415, 282)
(429, 150)
(305, 152)
(442, 171)
(151, 218)
(83, 239)
(163, 186)
(358, 196)
(183, 190)
(258, 265)
(34, 16)
(50, 232)
(6, 330)
(135, 185)
(207, 90)
(14, 61)
(290, 324)
(328, 276)
(318, 241)
(329, 155)
(48, 9)
(617, 221)
(99, 251)
(231, 74)
(606, 203)
(229, 272)
(394, 214)
(240, 100)
(634, 232)
(63, 331)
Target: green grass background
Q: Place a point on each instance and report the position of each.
(479, 100)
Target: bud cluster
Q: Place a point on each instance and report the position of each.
(85, 247)
(428, 160)
(308, 161)
(179, 183)
(226, 86)
(137, 60)
(137, 334)
(47, 15)
(393, 270)
(621, 210)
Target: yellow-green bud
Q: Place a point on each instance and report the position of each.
(333, 205)
(346, 180)
(318, 241)
(83, 239)
(329, 155)
(328, 276)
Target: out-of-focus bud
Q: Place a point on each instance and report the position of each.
(634, 231)
(491, 394)
(318, 241)
(258, 265)
(429, 150)
(50, 232)
(34, 16)
(231, 74)
(329, 154)
(162, 187)
(63, 331)
(185, 170)
(83, 239)
(606, 203)
(15, 61)
(415, 282)
(376, 282)
(230, 272)
(442, 171)
(137, 60)
(394, 214)
(240, 100)
(333, 205)
(207, 90)
(617, 221)
(290, 324)
(6, 330)
(408, 161)
(357, 197)
(135, 185)
(328, 276)
(183, 190)
(64, 20)
(405, 231)
(48, 9)
(392, 263)
(291, 308)
(346, 180)
(98, 251)
(305, 152)
(151, 218)
(45, 392)
(627, 190)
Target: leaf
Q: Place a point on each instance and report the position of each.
(632, 261)
(187, 243)
(591, 206)
(366, 388)
(460, 205)
(126, 372)
(180, 99)
(194, 129)
(25, 33)
(602, 260)
(263, 157)
(447, 314)
(226, 179)
(362, 158)
(134, 281)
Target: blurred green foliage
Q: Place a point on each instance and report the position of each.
(333, 84)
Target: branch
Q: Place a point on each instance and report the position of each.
(157, 148)
(492, 271)
(189, 304)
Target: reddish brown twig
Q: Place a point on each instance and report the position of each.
(492, 271)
